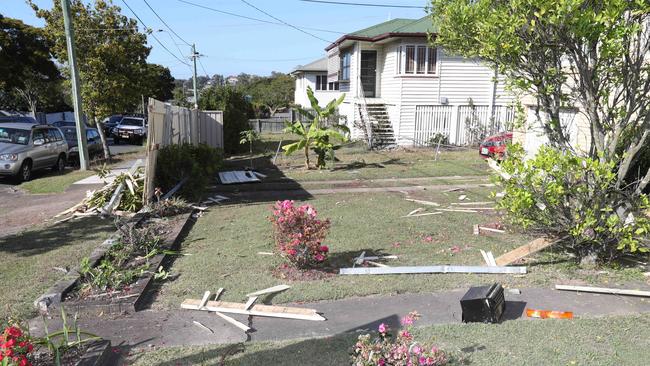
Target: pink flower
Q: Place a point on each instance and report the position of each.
(405, 334)
(455, 249)
(324, 248)
(381, 362)
(292, 252)
(428, 238)
(319, 257)
(407, 320)
(383, 328)
(396, 244)
(416, 349)
(423, 361)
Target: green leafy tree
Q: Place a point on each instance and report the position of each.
(111, 55)
(273, 93)
(158, 82)
(316, 136)
(29, 79)
(236, 111)
(248, 137)
(594, 55)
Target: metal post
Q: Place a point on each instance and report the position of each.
(76, 93)
(196, 94)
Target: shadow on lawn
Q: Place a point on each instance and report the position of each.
(43, 240)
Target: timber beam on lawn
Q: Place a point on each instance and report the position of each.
(526, 250)
(432, 269)
(603, 290)
(256, 310)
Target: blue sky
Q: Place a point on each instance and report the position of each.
(232, 45)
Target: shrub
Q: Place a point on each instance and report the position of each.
(403, 350)
(299, 234)
(438, 138)
(199, 163)
(560, 193)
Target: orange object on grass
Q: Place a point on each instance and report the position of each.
(544, 314)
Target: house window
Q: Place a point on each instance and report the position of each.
(345, 66)
(334, 85)
(321, 82)
(419, 60)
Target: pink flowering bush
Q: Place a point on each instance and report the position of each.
(299, 235)
(402, 350)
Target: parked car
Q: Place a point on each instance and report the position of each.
(110, 123)
(93, 142)
(60, 124)
(25, 148)
(133, 129)
(495, 146)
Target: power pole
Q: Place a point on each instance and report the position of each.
(76, 93)
(196, 94)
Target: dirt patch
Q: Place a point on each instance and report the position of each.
(69, 358)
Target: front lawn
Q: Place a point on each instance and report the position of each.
(30, 257)
(55, 182)
(223, 251)
(599, 341)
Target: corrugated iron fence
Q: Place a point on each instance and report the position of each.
(462, 124)
(171, 125)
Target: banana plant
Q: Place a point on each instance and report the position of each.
(316, 137)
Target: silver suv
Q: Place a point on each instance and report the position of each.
(27, 147)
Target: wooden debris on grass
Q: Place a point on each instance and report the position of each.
(498, 231)
(218, 294)
(471, 203)
(603, 290)
(422, 202)
(250, 302)
(526, 250)
(462, 197)
(432, 269)
(414, 212)
(362, 258)
(497, 168)
(234, 322)
(424, 214)
(198, 324)
(270, 290)
(205, 298)
(454, 190)
(457, 210)
(489, 258)
(376, 264)
(256, 310)
(265, 253)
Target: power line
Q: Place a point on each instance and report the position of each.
(365, 4)
(251, 18)
(153, 35)
(165, 23)
(283, 22)
(202, 67)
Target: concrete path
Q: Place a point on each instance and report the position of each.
(176, 327)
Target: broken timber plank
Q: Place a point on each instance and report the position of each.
(376, 264)
(234, 322)
(491, 259)
(205, 298)
(456, 210)
(250, 302)
(218, 294)
(198, 324)
(485, 257)
(471, 203)
(603, 290)
(269, 290)
(481, 228)
(525, 250)
(414, 212)
(424, 214)
(257, 310)
(428, 203)
(432, 269)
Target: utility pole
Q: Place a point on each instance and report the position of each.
(76, 93)
(196, 94)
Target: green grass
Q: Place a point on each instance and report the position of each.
(598, 341)
(356, 162)
(224, 243)
(54, 182)
(28, 259)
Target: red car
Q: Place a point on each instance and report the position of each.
(495, 146)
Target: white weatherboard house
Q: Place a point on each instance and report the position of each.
(401, 90)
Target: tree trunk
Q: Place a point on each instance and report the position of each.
(102, 137)
(307, 156)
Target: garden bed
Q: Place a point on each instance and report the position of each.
(130, 298)
(97, 353)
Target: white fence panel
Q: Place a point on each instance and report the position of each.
(430, 120)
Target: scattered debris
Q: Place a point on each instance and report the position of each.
(424, 214)
(265, 253)
(495, 166)
(462, 197)
(215, 199)
(484, 304)
(603, 290)
(234, 322)
(175, 189)
(376, 264)
(487, 185)
(237, 177)
(256, 310)
(61, 269)
(500, 194)
(198, 324)
(433, 269)
(526, 250)
(362, 258)
(549, 314)
(414, 212)
(205, 298)
(457, 210)
(489, 258)
(250, 302)
(482, 228)
(475, 229)
(422, 202)
(453, 190)
(270, 290)
(200, 208)
(471, 203)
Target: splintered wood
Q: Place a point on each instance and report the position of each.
(256, 310)
(525, 250)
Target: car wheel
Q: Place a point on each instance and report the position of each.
(25, 173)
(60, 164)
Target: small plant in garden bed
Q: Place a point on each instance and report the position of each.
(299, 235)
(127, 260)
(169, 207)
(402, 350)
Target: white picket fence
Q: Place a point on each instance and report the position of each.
(462, 124)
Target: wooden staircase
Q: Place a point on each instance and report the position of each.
(383, 135)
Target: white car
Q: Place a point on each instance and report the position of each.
(132, 129)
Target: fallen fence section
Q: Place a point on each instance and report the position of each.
(256, 310)
(603, 290)
(432, 269)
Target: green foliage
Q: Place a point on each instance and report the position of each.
(317, 137)
(236, 111)
(198, 163)
(560, 193)
(67, 338)
(273, 93)
(132, 193)
(248, 137)
(29, 79)
(438, 138)
(157, 82)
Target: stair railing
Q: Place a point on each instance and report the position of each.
(363, 112)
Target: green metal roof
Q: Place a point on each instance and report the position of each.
(399, 25)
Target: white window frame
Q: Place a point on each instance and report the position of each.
(400, 64)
